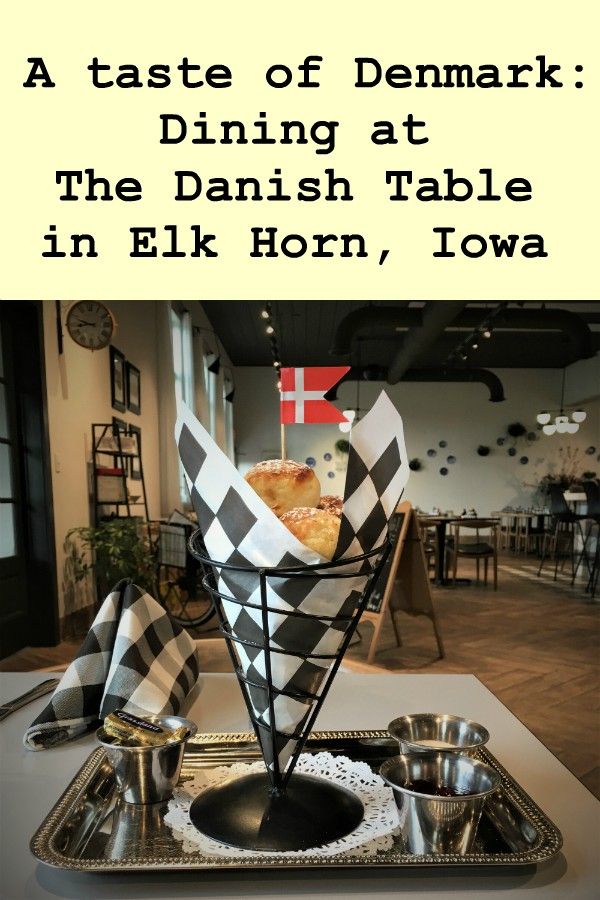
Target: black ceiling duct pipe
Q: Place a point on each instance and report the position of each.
(476, 376)
(482, 376)
(571, 324)
(436, 317)
(370, 317)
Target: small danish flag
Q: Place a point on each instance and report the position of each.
(302, 394)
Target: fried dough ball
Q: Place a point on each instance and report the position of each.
(331, 503)
(284, 484)
(316, 528)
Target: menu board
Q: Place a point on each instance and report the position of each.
(395, 530)
(403, 584)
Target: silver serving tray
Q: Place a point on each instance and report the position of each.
(89, 830)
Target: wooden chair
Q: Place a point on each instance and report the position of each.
(482, 545)
(430, 545)
(506, 530)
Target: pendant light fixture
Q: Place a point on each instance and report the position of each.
(562, 424)
(353, 415)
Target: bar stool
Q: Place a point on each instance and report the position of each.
(592, 493)
(561, 515)
(535, 532)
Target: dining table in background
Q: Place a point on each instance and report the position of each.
(440, 523)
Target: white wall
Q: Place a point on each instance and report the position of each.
(78, 388)
(461, 414)
(582, 380)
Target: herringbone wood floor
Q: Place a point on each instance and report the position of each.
(534, 643)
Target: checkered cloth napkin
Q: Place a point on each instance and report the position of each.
(238, 528)
(134, 657)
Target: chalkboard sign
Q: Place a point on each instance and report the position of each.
(403, 585)
(395, 529)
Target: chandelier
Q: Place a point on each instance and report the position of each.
(563, 423)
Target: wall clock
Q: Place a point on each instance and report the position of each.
(90, 324)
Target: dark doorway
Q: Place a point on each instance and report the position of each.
(28, 598)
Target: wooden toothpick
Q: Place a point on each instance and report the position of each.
(283, 447)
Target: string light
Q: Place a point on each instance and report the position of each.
(483, 330)
(267, 315)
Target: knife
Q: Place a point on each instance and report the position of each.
(45, 687)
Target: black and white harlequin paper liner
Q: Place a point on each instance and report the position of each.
(134, 657)
(239, 528)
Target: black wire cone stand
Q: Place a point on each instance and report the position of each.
(272, 811)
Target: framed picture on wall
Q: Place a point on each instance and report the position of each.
(134, 397)
(118, 389)
(135, 461)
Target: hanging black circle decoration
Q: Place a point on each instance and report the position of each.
(415, 465)
(524, 460)
(482, 450)
(500, 441)
(516, 429)
(431, 452)
(443, 470)
(590, 451)
(512, 451)
(443, 444)
(451, 460)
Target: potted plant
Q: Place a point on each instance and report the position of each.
(566, 473)
(114, 549)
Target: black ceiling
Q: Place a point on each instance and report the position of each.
(306, 330)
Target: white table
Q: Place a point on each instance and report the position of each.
(32, 782)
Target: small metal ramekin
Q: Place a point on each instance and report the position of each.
(439, 824)
(147, 774)
(427, 732)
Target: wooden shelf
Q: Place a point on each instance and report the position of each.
(121, 458)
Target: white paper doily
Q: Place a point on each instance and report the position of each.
(374, 834)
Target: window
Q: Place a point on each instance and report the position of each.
(8, 535)
(181, 330)
(183, 369)
(228, 416)
(210, 384)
